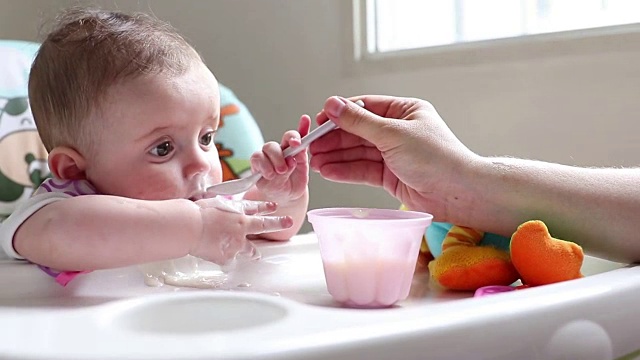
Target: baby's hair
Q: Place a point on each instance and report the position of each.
(87, 52)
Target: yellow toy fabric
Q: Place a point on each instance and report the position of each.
(531, 255)
(465, 265)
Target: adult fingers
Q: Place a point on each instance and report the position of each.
(352, 118)
(337, 139)
(358, 153)
(361, 172)
(377, 104)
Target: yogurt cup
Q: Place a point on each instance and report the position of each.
(369, 255)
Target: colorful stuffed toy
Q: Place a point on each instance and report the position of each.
(542, 259)
(462, 258)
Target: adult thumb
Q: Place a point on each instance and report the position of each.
(354, 118)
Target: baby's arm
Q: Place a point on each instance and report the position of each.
(284, 181)
(99, 231)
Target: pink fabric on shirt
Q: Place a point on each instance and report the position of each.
(71, 188)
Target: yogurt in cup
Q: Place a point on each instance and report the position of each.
(369, 255)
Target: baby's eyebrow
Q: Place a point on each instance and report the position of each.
(159, 129)
(216, 120)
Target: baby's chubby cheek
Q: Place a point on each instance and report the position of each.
(166, 188)
(160, 192)
(213, 176)
(154, 186)
(158, 185)
(151, 190)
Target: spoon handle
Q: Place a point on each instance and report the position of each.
(313, 135)
(309, 138)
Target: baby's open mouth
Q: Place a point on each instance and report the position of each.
(199, 191)
(196, 197)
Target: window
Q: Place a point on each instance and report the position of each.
(395, 25)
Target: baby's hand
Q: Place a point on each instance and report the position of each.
(227, 223)
(283, 180)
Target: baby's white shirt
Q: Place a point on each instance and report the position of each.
(50, 190)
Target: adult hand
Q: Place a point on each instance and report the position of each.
(400, 144)
(404, 146)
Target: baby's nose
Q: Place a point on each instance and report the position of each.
(198, 163)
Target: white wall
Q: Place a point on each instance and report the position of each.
(574, 101)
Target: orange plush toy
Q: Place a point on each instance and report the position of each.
(469, 259)
(542, 259)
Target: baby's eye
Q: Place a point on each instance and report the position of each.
(163, 149)
(207, 139)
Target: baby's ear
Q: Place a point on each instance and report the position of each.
(66, 163)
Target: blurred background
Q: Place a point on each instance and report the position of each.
(572, 98)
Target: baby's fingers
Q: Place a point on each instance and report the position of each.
(270, 161)
(250, 207)
(290, 138)
(304, 125)
(266, 224)
(247, 207)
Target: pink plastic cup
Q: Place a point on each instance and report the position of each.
(369, 255)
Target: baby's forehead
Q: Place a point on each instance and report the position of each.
(151, 99)
(194, 83)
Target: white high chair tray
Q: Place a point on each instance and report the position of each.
(284, 311)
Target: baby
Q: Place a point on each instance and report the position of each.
(128, 112)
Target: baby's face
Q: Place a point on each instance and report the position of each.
(158, 138)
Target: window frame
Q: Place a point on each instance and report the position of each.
(616, 38)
